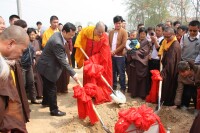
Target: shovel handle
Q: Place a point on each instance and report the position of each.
(79, 82)
(101, 75)
(160, 86)
(101, 121)
(96, 112)
(84, 53)
(107, 83)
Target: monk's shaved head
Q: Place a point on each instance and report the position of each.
(99, 29)
(15, 32)
(13, 41)
(100, 25)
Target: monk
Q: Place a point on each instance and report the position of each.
(94, 41)
(170, 52)
(52, 29)
(13, 41)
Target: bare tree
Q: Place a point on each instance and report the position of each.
(152, 12)
(196, 4)
(182, 8)
(149, 12)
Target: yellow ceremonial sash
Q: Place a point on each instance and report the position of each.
(13, 76)
(165, 45)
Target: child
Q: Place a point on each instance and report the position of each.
(132, 44)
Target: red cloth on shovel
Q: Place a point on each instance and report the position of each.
(95, 92)
(143, 118)
(153, 94)
(84, 102)
(92, 74)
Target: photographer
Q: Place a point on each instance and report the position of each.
(156, 39)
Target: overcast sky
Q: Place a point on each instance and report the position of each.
(74, 11)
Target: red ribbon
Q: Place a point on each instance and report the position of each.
(84, 104)
(153, 94)
(93, 70)
(143, 118)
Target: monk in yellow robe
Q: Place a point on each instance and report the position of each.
(94, 41)
(52, 29)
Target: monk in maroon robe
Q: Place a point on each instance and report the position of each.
(170, 51)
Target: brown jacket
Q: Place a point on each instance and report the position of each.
(186, 81)
(21, 91)
(121, 40)
(11, 111)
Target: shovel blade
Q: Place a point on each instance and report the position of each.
(118, 97)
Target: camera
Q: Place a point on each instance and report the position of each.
(151, 34)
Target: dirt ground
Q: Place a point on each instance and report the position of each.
(177, 120)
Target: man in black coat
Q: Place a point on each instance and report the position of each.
(52, 62)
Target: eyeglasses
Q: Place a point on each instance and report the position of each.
(193, 31)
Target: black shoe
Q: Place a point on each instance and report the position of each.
(57, 113)
(36, 102)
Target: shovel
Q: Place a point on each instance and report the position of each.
(95, 110)
(117, 95)
(159, 93)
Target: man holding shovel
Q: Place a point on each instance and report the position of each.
(170, 51)
(94, 41)
(52, 62)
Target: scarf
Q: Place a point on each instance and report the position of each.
(166, 45)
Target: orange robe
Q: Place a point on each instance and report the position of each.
(47, 34)
(98, 50)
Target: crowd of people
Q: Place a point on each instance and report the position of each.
(40, 62)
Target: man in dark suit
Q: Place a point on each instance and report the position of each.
(52, 62)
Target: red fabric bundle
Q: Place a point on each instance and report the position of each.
(96, 92)
(198, 98)
(143, 118)
(92, 72)
(153, 94)
(84, 104)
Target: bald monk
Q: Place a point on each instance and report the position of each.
(94, 41)
(13, 41)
